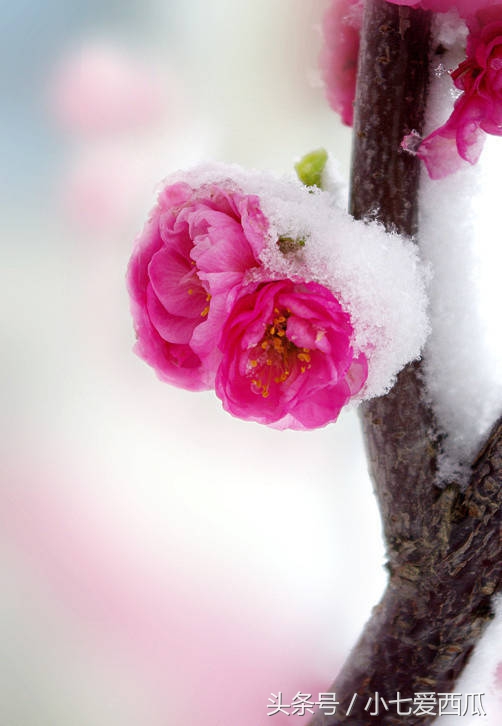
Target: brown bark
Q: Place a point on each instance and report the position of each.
(443, 542)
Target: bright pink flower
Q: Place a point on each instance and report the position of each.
(479, 108)
(287, 356)
(185, 272)
(339, 56)
(338, 60)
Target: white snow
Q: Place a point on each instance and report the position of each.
(459, 236)
(479, 677)
(376, 276)
(334, 182)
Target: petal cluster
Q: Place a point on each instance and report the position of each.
(187, 266)
(479, 107)
(268, 292)
(288, 358)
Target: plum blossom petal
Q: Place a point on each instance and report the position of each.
(478, 110)
(460, 139)
(184, 274)
(287, 358)
(341, 27)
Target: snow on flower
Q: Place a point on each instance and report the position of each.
(479, 107)
(269, 291)
(287, 356)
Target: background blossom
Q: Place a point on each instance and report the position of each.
(102, 88)
(479, 108)
(341, 27)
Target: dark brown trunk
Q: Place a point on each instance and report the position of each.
(443, 543)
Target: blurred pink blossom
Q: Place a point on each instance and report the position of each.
(99, 88)
(103, 188)
(341, 27)
(187, 645)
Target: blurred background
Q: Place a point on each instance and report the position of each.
(160, 562)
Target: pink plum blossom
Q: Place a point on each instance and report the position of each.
(287, 359)
(101, 88)
(341, 30)
(250, 284)
(479, 108)
(186, 269)
(338, 60)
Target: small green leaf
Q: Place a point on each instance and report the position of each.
(311, 166)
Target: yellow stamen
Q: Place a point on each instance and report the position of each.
(273, 364)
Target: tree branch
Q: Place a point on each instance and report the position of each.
(443, 543)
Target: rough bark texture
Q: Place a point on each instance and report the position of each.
(391, 91)
(444, 545)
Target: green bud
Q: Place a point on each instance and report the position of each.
(311, 166)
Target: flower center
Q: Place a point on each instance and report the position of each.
(276, 357)
(205, 310)
(196, 288)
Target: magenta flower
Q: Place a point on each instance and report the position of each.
(265, 290)
(479, 108)
(287, 356)
(341, 27)
(185, 271)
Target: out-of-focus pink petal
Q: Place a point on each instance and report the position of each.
(341, 27)
(101, 88)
